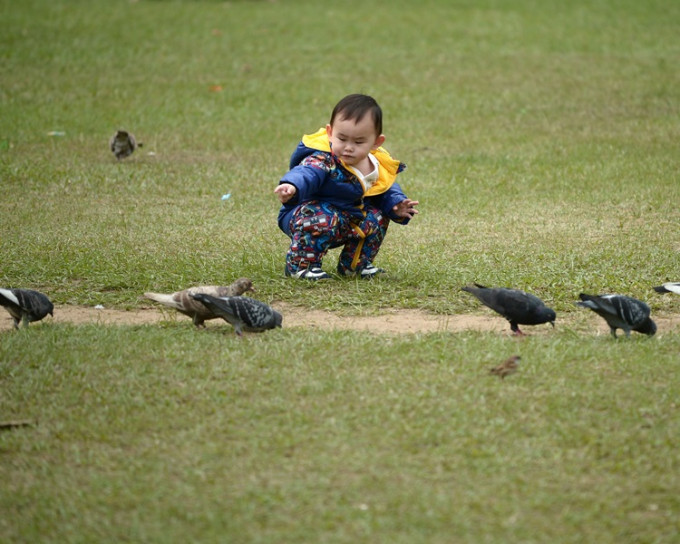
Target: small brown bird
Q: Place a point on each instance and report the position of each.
(509, 366)
(123, 144)
(184, 303)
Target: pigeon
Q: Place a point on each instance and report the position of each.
(518, 307)
(509, 366)
(669, 287)
(25, 305)
(620, 312)
(123, 144)
(244, 313)
(183, 302)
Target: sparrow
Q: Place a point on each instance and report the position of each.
(123, 144)
(507, 367)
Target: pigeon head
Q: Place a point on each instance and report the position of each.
(545, 315)
(242, 285)
(550, 314)
(647, 327)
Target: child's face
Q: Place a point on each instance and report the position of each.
(352, 141)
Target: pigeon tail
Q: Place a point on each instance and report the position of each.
(165, 300)
(668, 287)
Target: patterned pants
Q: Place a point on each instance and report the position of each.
(317, 227)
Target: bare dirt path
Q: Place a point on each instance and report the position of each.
(387, 322)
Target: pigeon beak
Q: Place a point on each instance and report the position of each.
(553, 324)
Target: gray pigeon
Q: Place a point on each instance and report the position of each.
(669, 287)
(244, 313)
(123, 144)
(183, 302)
(620, 312)
(518, 307)
(25, 305)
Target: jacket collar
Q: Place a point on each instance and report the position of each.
(388, 168)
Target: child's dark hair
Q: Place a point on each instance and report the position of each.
(355, 106)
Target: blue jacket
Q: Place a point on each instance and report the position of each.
(318, 174)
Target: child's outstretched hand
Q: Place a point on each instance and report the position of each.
(406, 208)
(285, 191)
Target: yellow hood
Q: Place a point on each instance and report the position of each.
(388, 168)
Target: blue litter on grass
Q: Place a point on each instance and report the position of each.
(226, 197)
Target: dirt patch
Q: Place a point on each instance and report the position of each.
(388, 322)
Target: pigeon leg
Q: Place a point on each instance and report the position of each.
(16, 323)
(198, 322)
(613, 331)
(514, 327)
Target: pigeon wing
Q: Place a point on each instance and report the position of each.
(513, 304)
(243, 313)
(631, 310)
(9, 300)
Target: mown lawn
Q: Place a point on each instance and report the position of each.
(542, 142)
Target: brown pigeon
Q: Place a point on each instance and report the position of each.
(183, 301)
(123, 144)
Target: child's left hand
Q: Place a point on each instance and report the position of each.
(406, 209)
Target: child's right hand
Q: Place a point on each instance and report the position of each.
(285, 191)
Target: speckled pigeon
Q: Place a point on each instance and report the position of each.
(518, 307)
(123, 144)
(183, 302)
(669, 287)
(25, 305)
(244, 313)
(620, 312)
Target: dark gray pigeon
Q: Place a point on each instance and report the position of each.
(25, 305)
(669, 287)
(244, 313)
(183, 302)
(123, 144)
(620, 312)
(518, 307)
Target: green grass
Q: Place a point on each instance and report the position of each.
(156, 434)
(542, 142)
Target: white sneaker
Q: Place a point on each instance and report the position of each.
(314, 273)
(367, 272)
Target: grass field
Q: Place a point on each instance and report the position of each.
(543, 142)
